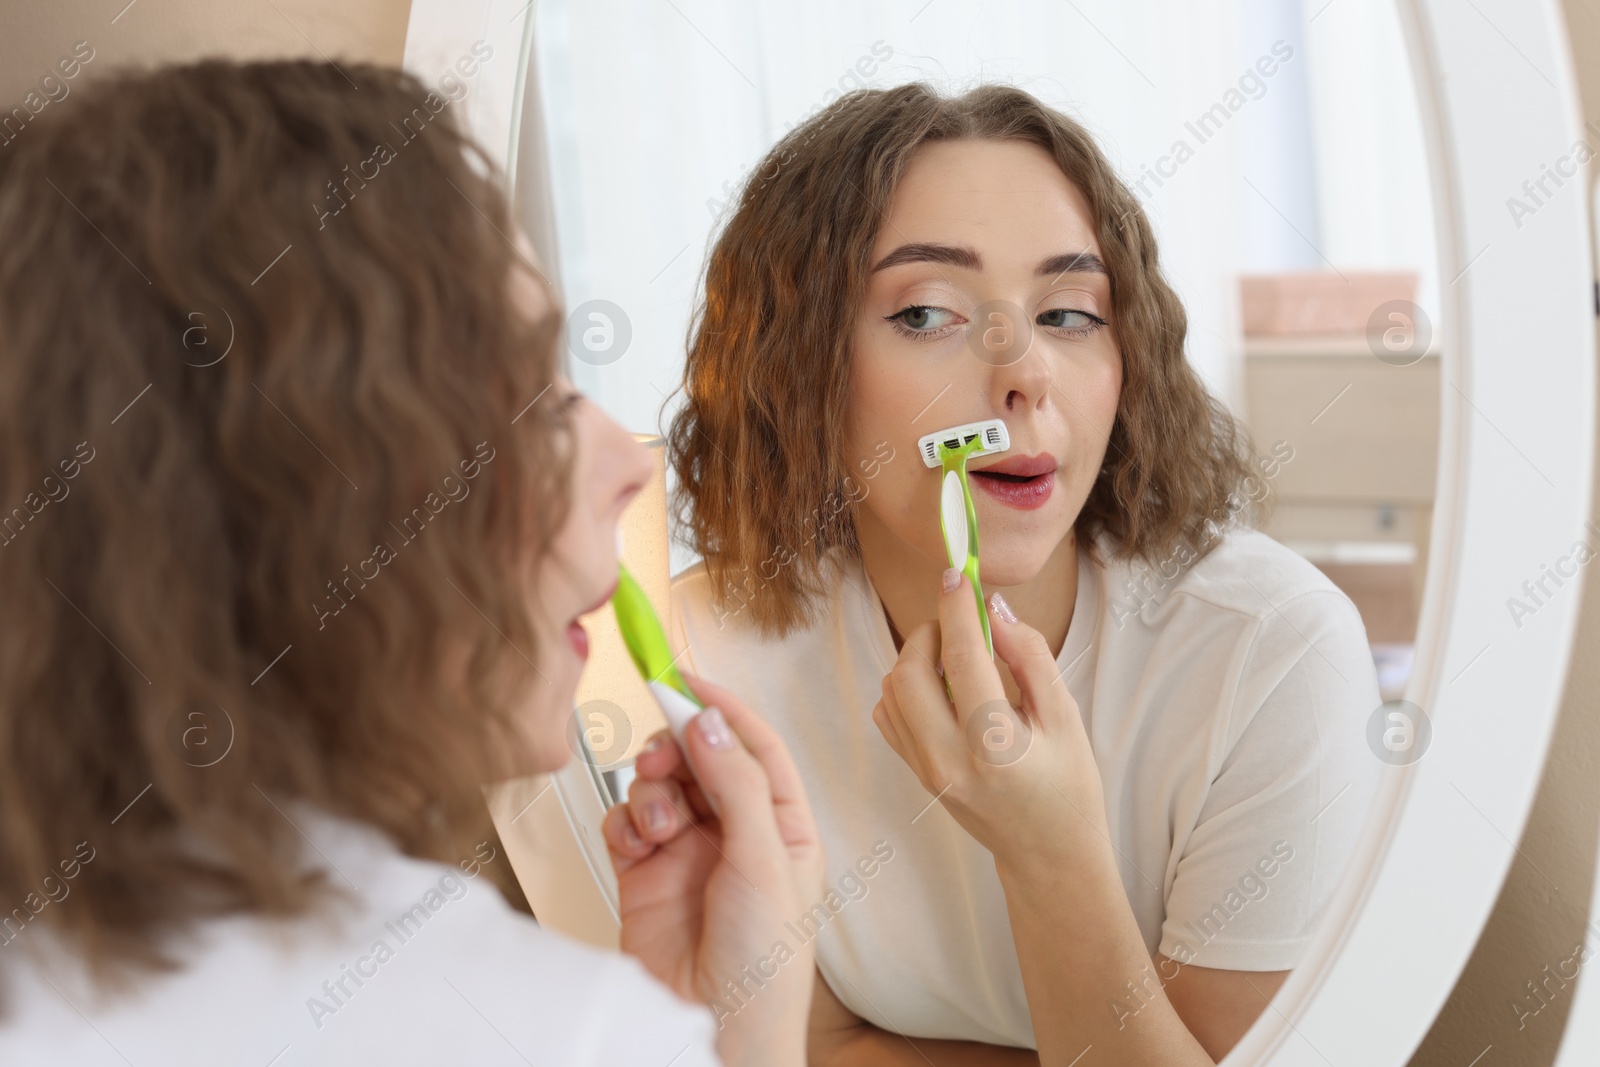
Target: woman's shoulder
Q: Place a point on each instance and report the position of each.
(701, 610)
(1243, 574)
(697, 609)
(418, 958)
(556, 997)
(692, 587)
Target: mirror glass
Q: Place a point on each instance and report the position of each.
(1239, 711)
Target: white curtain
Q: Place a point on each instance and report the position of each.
(1375, 209)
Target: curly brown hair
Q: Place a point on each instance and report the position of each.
(268, 457)
(769, 350)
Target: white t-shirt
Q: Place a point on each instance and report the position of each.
(1226, 706)
(460, 978)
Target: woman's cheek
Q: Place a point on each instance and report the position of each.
(915, 508)
(548, 711)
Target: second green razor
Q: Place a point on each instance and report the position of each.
(648, 647)
(652, 655)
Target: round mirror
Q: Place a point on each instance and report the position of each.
(1395, 303)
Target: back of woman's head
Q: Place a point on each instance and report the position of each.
(266, 478)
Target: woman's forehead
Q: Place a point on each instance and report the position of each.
(1003, 200)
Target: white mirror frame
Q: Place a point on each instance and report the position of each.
(1516, 451)
(1497, 95)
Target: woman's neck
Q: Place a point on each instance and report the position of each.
(907, 582)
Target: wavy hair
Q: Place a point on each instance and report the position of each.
(769, 350)
(269, 471)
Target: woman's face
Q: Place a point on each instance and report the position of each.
(578, 575)
(986, 299)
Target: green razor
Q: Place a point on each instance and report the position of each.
(652, 655)
(950, 450)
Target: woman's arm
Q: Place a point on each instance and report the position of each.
(841, 1038)
(1043, 817)
(1217, 1006)
(709, 864)
(1085, 968)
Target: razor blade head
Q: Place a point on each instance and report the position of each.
(991, 432)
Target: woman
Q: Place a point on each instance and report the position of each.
(301, 517)
(1135, 861)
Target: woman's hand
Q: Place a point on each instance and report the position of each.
(704, 898)
(1024, 784)
(1026, 787)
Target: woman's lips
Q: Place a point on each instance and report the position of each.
(1021, 466)
(578, 638)
(1025, 494)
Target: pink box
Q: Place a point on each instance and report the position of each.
(1318, 302)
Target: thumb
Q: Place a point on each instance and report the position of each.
(967, 667)
(1025, 651)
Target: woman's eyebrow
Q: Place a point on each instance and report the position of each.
(968, 259)
(1071, 262)
(930, 253)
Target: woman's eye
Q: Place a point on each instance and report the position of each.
(1071, 320)
(919, 318)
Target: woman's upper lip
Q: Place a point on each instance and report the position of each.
(1021, 466)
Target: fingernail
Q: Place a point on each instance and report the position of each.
(652, 744)
(630, 836)
(714, 729)
(1001, 608)
(656, 818)
(951, 579)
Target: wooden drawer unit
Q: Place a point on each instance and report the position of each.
(1364, 432)
(1366, 447)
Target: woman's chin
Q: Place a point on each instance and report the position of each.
(545, 741)
(1010, 566)
(547, 756)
